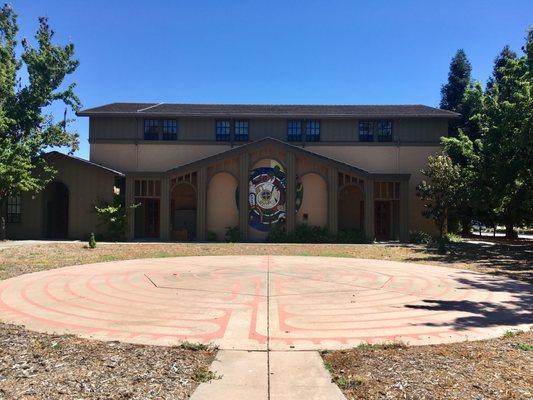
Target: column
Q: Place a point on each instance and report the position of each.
(201, 208)
(244, 176)
(290, 200)
(404, 211)
(129, 199)
(164, 211)
(333, 201)
(369, 209)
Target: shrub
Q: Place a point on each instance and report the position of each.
(302, 233)
(114, 216)
(211, 236)
(351, 235)
(277, 234)
(420, 237)
(452, 238)
(92, 241)
(233, 234)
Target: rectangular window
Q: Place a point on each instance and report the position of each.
(14, 209)
(241, 131)
(365, 132)
(151, 129)
(223, 130)
(312, 131)
(294, 131)
(384, 131)
(170, 129)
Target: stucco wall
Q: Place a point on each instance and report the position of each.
(87, 185)
(222, 209)
(314, 201)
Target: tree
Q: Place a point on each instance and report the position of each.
(439, 191)
(506, 169)
(452, 93)
(26, 130)
(505, 55)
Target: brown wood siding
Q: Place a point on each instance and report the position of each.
(412, 130)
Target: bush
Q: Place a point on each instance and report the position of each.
(452, 238)
(420, 237)
(233, 234)
(351, 235)
(301, 234)
(114, 217)
(92, 241)
(211, 236)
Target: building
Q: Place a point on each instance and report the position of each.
(336, 166)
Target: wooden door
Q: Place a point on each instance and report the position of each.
(382, 223)
(151, 217)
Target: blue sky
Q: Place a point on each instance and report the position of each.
(331, 52)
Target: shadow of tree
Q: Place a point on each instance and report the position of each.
(515, 311)
(511, 260)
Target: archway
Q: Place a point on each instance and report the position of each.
(183, 212)
(314, 207)
(222, 209)
(56, 205)
(351, 207)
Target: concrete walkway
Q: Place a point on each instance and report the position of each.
(280, 375)
(260, 310)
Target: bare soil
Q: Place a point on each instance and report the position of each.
(496, 369)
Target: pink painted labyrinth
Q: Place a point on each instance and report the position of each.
(260, 302)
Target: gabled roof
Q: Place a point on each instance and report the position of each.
(269, 110)
(298, 150)
(82, 161)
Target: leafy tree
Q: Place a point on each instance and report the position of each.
(439, 191)
(26, 129)
(114, 216)
(452, 93)
(507, 170)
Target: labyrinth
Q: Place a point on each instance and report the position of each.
(266, 302)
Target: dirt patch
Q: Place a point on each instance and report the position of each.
(40, 366)
(511, 260)
(491, 369)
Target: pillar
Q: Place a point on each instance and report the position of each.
(164, 212)
(201, 206)
(333, 201)
(244, 176)
(404, 211)
(290, 199)
(129, 199)
(369, 210)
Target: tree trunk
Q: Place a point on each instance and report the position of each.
(509, 231)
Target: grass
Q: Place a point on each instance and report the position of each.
(382, 346)
(203, 374)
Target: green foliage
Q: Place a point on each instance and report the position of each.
(439, 191)
(203, 375)
(420, 237)
(523, 346)
(233, 234)
(194, 346)
(351, 236)
(302, 233)
(453, 91)
(211, 236)
(452, 238)
(26, 130)
(114, 217)
(92, 241)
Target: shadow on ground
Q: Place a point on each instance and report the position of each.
(510, 260)
(516, 311)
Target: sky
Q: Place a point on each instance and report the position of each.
(287, 52)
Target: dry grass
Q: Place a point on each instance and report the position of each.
(491, 369)
(512, 260)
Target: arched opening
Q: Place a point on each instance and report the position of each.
(56, 202)
(183, 212)
(351, 207)
(314, 207)
(222, 209)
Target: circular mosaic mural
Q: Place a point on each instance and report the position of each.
(267, 191)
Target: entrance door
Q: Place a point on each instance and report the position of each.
(382, 221)
(56, 200)
(147, 218)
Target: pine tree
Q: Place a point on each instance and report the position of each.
(499, 62)
(452, 93)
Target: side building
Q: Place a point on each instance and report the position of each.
(198, 169)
